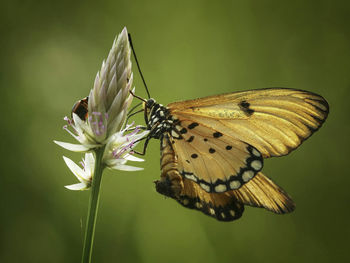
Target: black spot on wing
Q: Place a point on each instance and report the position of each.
(244, 105)
(217, 134)
(190, 139)
(192, 125)
(183, 131)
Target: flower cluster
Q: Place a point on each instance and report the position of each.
(108, 103)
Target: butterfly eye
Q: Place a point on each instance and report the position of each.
(150, 102)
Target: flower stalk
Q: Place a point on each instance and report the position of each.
(93, 207)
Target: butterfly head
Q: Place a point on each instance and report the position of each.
(149, 103)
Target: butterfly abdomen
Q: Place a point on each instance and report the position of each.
(170, 183)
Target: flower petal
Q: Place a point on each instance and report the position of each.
(76, 147)
(123, 167)
(133, 158)
(89, 163)
(114, 162)
(76, 170)
(77, 187)
(78, 123)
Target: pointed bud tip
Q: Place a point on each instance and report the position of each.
(124, 31)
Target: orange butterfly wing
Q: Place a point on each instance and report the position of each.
(220, 206)
(216, 162)
(227, 206)
(275, 121)
(212, 157)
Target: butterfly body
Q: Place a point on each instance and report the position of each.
(159, 120)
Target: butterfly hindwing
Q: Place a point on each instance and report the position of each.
(275, 121)
(228, 206)
(221, 206)
(263, 192)
(215, 161)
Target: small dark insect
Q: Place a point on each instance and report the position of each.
(80, 108)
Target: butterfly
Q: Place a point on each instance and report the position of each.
(213, 148)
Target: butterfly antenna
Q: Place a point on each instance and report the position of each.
(134, 108)
(138, 66)
(138, 97)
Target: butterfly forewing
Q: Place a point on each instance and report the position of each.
(275, 121)
(216, 162)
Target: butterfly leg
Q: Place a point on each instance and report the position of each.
(144, 146)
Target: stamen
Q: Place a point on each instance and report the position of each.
(136, 130)
(123, 150)
(76, 136)
(69, 121)
(128, 126)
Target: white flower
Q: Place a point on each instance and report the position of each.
(119, 149)
(117, 152)
(106, 110)
(84, 174)
(81, 132)
(108, 101)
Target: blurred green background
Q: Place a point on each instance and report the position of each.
(50, 52)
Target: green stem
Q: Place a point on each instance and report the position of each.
(93, 207)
